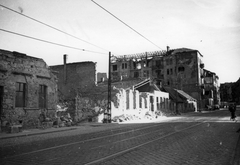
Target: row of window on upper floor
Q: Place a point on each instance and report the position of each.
(180, 69)
(137, 65)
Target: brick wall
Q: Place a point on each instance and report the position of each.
(79, 76)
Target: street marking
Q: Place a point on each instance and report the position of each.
(140, 145)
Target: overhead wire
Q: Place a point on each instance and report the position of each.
(50, 42)
(126, 24)
(52, 27)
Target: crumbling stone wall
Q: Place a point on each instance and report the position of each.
(93, 103)
(19, 68)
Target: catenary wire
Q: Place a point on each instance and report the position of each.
(49, 42)
(126, 25)
(52, 27)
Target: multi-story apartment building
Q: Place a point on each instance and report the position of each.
(178, 68)
(211, 88)
(183, 69)
(138, 66)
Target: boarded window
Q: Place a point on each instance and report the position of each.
(42, 96)
(20, 94)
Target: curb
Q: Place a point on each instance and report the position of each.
(35, 133)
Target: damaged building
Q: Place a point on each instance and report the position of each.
(77, 88)
(74, 77)
(27, 89)
(211, 93)
(138, 67)
(184, 70)
(147, 69)
(181, 69)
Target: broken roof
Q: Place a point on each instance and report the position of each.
(181, 50)
(178, 95)
(150, 87)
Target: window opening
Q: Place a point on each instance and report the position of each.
(20, 94)
(42, 96)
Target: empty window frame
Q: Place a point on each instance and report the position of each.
(181, 69)
(136, 74)
(124, 65)
(42, 96)
(20, 94)
(114, 67)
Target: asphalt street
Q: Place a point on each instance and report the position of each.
(193, 138)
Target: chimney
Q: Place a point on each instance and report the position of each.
(168, 48)
(65, 68)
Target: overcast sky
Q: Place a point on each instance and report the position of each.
(210, 26)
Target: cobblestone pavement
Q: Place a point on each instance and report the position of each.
(194, 138)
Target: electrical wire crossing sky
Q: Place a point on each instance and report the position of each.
(85, 29)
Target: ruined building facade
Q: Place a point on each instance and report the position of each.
(181, 69)
(75, 77)
(211, 93)
(27, 89)
(76, 87)
(138, 66)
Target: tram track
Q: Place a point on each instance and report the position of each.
(98, 144)
(140, 145)
(89, 137)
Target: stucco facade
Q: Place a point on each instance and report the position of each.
(183, 69)
(28, 88)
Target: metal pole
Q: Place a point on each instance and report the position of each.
(109, 88)
(107, 113)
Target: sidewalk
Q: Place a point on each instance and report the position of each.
(85, 127)
(91, 126)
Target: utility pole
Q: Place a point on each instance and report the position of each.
(108, 113)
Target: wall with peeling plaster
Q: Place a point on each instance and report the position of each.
(18, 67)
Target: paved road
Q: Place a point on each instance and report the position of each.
(195, 138)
